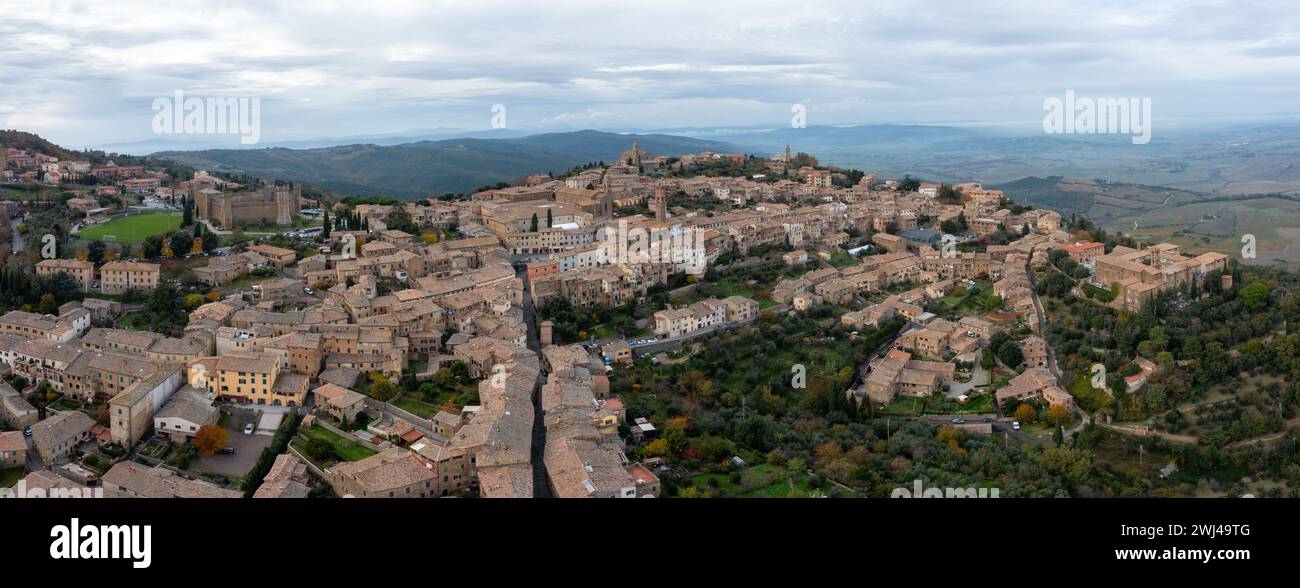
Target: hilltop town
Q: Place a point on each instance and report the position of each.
(640, 328)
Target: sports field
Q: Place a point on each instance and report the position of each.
(134, 228)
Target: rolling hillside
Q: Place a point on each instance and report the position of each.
(414, 170)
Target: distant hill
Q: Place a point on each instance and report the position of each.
(36, 144)
(414, 170)
(161, 143)
(1228, 159)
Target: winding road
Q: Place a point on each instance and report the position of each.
(1040, 327)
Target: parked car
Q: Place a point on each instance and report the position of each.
(227, 451)
(958, 421)
(248, 429)
(1015, 425)
(27, 431)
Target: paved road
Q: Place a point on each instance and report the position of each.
(1001, 426)
(33, 460)
(541, 481)
(1040, 327)
(1010, 433)
(18, 237)
(1151, 432)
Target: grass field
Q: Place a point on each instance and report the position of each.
(762, 481)
(346, 449)
(10, 477)
(134, 228)
(418, 408)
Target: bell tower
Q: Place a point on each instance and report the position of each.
(660, 203)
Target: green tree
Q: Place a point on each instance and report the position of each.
(163, 301)
(319, 450)
(1010, 354)
(47, 304)
(152, 246)
(95, 251)
(180, 242)
(381, 388)
(1255, 296)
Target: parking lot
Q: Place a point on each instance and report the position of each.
(247, 450)
(247, 447)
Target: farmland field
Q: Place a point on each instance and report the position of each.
(134, 228)
(1219, 226)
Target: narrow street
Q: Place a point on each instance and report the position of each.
(864, 370)
(541, 483)
(1040, 327)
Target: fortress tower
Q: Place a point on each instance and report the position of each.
(277, 204)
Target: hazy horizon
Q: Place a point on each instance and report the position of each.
(86, 73)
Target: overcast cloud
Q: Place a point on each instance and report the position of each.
(86, 73)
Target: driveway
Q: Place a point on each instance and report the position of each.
(979, 377)
(270, 421)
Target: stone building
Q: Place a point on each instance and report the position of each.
(271, 204)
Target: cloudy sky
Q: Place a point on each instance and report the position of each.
(87, 73)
